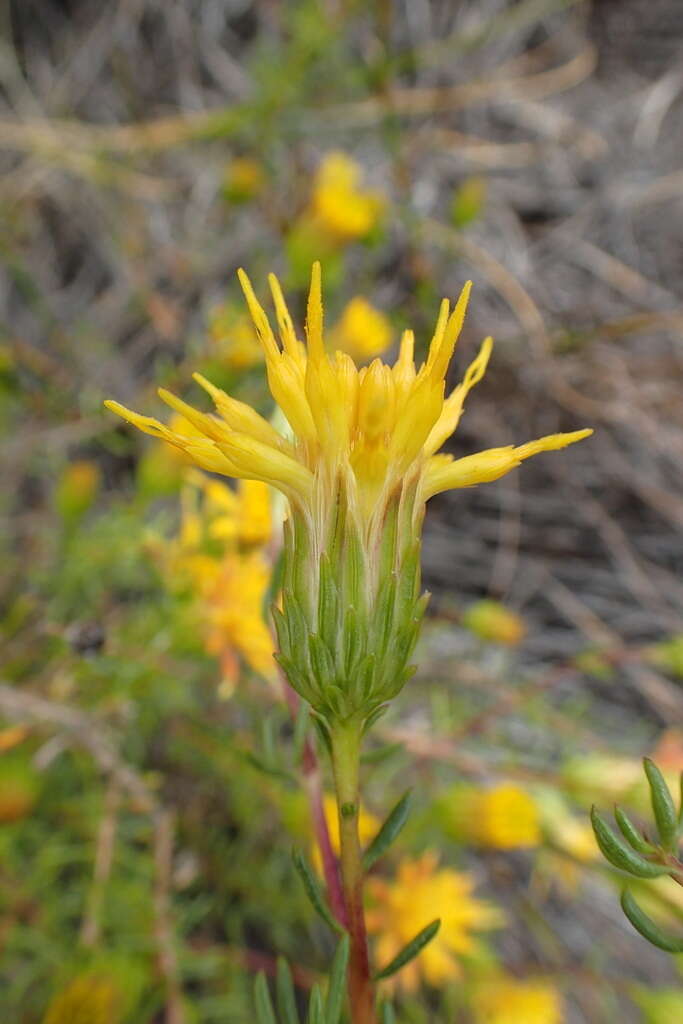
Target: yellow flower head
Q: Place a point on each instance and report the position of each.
(376, 427)
(338, 205)
(504, 817)
(362, 331)
(508, 1000)
(357, 472)
(422, 891)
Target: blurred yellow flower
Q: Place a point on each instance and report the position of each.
(218, 556)
(508, 1000)
(234, 337)
(505, 817)
(491, 620)
(421, 892)
(362, 331)
(339, 207)
(88, 999)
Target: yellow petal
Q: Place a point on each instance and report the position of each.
(284, 320)
(241, 417)
(441, 356)
(435, 343)
(314, 316)
(210, 426)
(452, 407)
(258, 315)
(286, 381)
(444, 474)
(207, 456)
(148, 424)
(257, 461)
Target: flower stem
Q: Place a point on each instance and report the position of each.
(313, 785)
(346, 741)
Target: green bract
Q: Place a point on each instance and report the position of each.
(351, 611)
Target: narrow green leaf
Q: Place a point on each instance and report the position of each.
(382, 753)
(314, 891)
(619, 854)
(631, 833)
(662, 805)
(322, 731)
(410, 951)
(373, 717)
(388, 832)
(265, 1014)
(267, 769)
(286, 999)
(647, 927)
(316, 1014)
(386, 1014)
(337, 986)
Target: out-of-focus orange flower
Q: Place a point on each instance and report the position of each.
(421, 892)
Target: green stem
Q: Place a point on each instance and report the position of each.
(346, 742)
